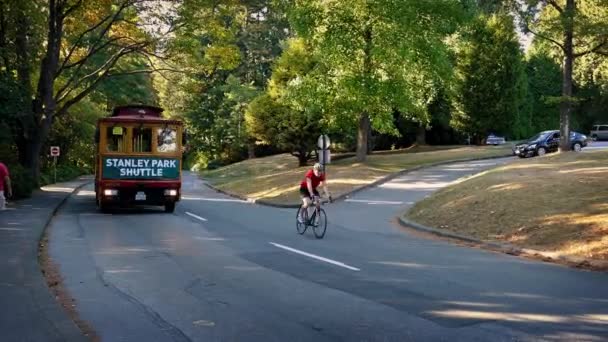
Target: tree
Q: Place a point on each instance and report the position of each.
(278, 117)
(491, 83)
(576, 29)
(227, 48)
(83, 43)
(544, 80)
(376, 57)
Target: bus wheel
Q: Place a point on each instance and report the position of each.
(103, 207)
(169, 207)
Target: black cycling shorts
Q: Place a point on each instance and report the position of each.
(304, 192)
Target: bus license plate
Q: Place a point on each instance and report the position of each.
(140, 196)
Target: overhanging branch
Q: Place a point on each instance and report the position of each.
(596, 49)
(542, 36)
(102, 70)
(94, 48)
(556, 6)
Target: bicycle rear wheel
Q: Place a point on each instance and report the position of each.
(301, 226)
(320, 225)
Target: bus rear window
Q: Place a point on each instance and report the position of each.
(116, 139)
(142, 139)
(167, 140)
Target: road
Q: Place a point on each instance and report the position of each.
(220, 269)
(596, 145)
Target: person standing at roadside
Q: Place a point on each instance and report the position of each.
(5, 185)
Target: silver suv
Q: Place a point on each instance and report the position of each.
(599, 132)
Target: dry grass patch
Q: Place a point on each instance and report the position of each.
(557, 203)
(277, 178)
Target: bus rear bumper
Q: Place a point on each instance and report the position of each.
(126, 193)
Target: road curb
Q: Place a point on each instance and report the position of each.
(64, 329)
(57, 207)
(40, 316)
(355, 190)
(508, 248)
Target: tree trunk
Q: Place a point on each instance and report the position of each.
(44, 104)
(421, 135)
(364, 129)
(251, 150)
(362, 137)
(302, 158)
(566, 103)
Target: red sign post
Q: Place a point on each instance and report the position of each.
(55, 152)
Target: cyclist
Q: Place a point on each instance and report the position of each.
(308, 188)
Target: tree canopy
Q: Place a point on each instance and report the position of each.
(257, 77)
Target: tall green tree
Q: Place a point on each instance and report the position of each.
(227, 48)
(575, 28)
(63, 50)
(491, 95)
(377, 56)
(544, 84)
(278, 117)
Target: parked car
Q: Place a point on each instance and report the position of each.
(495, 140)
(546, 142)
(599, 132)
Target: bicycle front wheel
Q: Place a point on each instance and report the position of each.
(320, 226)
(301, 226)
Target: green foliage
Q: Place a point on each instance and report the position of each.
(65, 172)
(377, 57)
(279, 117)
(228, 49)
(492, 83)
(21, 181)
(544, 82)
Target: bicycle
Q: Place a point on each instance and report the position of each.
(318, 219)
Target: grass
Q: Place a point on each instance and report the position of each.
(276, 179)
(557, 203)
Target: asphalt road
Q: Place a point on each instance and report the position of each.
(596, 145)
(220, 269)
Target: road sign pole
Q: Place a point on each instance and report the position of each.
(55, 169)
(324, 146)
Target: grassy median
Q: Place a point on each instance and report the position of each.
(558, 203)
(277, 178)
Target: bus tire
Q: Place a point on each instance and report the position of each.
(169, 207)
(103, 207)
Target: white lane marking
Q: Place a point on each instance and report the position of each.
(373, 201)
(333, 262)
(209, 199)
(208, 238)
(196, 216)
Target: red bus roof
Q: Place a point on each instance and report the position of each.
(138, 113)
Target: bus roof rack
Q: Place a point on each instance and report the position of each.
(141, 110)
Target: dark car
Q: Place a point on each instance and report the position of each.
(546, 142)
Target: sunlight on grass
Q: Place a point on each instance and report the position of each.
(277, 178)
(557, 204)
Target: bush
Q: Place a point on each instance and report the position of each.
(21, 181)
(64, 173)
(215, 164)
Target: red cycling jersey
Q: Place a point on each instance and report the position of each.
(316, 180)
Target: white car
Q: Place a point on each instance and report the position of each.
(494, 140)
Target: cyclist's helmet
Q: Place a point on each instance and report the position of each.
(317, 167)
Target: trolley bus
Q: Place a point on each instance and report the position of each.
(138, 159)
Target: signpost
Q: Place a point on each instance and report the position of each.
(324, 153)
(55, 152)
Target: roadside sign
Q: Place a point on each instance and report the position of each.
(324, 157)
(323, 142)
(55, 151)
